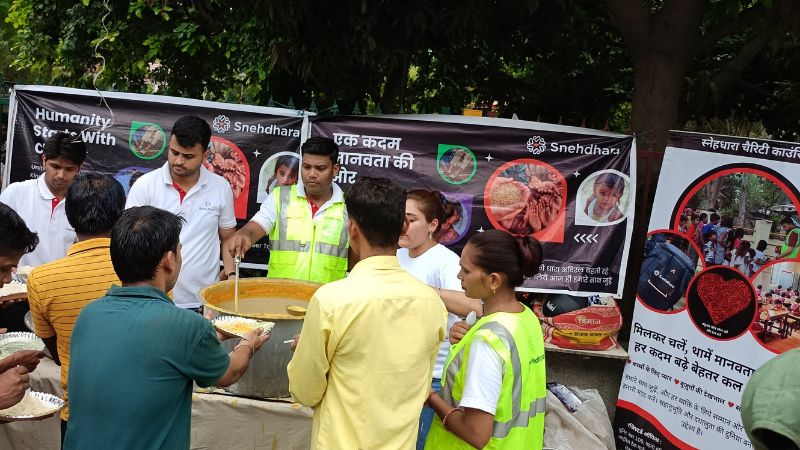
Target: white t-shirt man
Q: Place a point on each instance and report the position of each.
(206, 207)
(438, 267)
(43, 214)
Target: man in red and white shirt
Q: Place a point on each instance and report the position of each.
(40, 202)
(204, 200)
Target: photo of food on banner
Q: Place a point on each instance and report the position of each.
(740, 216)
(526, 197)
(721, 302)
(280, 169)
(228, 161)
(670, 261)
(603, 199)
(777, 322)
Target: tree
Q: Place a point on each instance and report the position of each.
(712, 192)
(666, 37)
(743, 191)
(562, 62)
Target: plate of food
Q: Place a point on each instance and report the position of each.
(14, 291)
(15, 341)
(33, 406)
(233, 326)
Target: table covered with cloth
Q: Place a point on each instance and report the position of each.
(218, 421)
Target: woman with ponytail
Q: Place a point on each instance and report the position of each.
(493, 388)
(435, 265)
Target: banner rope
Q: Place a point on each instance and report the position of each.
(101, 69)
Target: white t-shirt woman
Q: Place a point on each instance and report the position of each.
(437, 267)
(432, 263)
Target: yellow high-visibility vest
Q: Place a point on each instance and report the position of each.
(304, 249)
(785, 245)
(519, 419)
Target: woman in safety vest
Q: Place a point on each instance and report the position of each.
(493, 383)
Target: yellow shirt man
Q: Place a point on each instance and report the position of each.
(365, 357)
(58, 291)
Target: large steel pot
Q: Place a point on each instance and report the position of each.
(266, 376)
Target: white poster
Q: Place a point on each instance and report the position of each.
(717, 297)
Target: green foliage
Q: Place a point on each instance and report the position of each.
(561, 61)
(621, 118)
(760, 60)
(552, 61)
(732, 126)
(758, 193)
(762, 194)
(7, 73)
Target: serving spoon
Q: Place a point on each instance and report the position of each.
(236, 261)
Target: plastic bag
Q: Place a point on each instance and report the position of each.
(592, 328)
(588, 428)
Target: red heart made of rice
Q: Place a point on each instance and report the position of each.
(722, 298)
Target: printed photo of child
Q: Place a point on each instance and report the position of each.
(285, 173)
(710, 247)
(603, 199)
(280, 169)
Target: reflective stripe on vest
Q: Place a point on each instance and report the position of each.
(519, 418)
(339, 250)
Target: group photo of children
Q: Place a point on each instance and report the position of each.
(737, 220)
(777, 322)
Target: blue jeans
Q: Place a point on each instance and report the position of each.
(426, 418)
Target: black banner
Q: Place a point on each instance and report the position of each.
(569, 187)
(132, 139)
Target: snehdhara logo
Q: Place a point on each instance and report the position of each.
(536, 145)
(221, 124)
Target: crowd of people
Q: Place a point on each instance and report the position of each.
(721, 244)
(114, 295)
